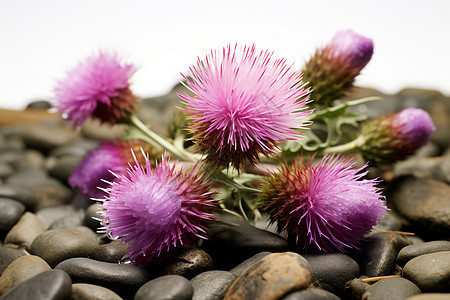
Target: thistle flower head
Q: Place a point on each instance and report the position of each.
(245, 102)
(154, 210)
(332, 69)
(98, 87)
(396, 136)
(323, 207)
(95, 166)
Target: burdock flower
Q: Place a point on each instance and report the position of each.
(155, 210)
(333, 68)
(98, 87)
(323, 207)
(245, 103)
(396, 136)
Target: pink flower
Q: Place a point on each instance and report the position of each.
(155, 210)
(323, 207)
(96, 166)
(97, 87)
(395, 137)
(245, 103)
(332, 69)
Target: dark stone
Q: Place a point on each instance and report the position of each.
(51, 214)
(20, 194)
(25, 231)
(430, 272)
(92, 216)
(112, 252)
(411, 251)
(10, 213)
(379, 253)
(396, 288)
(20, 270)
(188, 263)
(5, 170)
(355, 289)
(390, 221)
(236, 240)
(39, 104)
(46, 136)
(8, 255)
(48, 285)
(79, 148)
(424, 203)
(71, 221)
(430, 296)
(331, 271)
(14, 159)
(311, 294)
(61, 168)
(248, 263)
(11, 145)
(124, 279)
(272, 277)
(57, 245)
(165, 288)
(212, 285)
(84, 291)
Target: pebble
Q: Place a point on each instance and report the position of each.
(271, 278)
(165, 288)
(10, 213)
(331, 271)
(430, 272)
(379, 253)
(51, 214)
(188, 263)
(8, 255)
(390, 221)
(46, 136)
(396, 288)
(355, 289)
(411, 251)
(311, 294)
(57, 245)
(48, 285)
(430, 296)
(71, 221)
(112, 252)
(212, 285)
(78, 148)
(91, 213)
(424, 203)
(35, 159)
(5, 170)
(248, 263)
(61, 167)
(84, 291)
(20, 270)
(233, 242)
(25, 231)
(20, 194)
(121, 278)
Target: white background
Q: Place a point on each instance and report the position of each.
(41, 39)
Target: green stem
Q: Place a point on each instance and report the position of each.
(159, 141)
(356, 143)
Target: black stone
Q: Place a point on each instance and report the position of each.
(48, 285)
(166, 287)
(112, 252)
(8, 255)
(62, 167)
(311, 294)
(379, 253)
(188, 263)
(411, 251)
(212, 285)
(235, 240)
(331, 271)
(124, 279)
(10, 213)
(90, 219)
(71, 221)
(248, 263)
(396, 288)
(355, 289)
(20, 194)
(52, 214)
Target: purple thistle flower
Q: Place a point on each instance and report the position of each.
(356, 48)
(95, 166)
(154, 210)
(97, 87)
(333, 68)
(323, 207)
(395, 137)
(245, 103)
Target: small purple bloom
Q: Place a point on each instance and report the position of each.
(97, 87)
(155, 210)
(245, 103)
(356, 48)
(415, 125)
(95, 166)
(323, 207)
